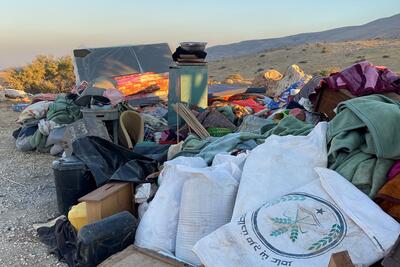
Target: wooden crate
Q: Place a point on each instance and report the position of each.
(108, 200)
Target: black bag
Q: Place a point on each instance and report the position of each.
(108, 161)
(100, 240)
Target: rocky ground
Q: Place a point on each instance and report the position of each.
(27, 196)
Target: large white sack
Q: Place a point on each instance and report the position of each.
(207, 203)
(278, 166)
(304, 228)
(157, 229)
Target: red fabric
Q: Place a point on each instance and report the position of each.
(394, 170)
(44, 97)
(249, 103)
(364, 78)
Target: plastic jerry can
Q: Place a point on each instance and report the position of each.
(72, 180)
(77, 216)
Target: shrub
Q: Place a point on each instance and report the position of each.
(385, 56)
(46, 74)
(324, 50)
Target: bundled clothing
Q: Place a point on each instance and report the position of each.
(207, 149)
(199, 54)
(363, 141)
(62, 111)
(363, 79)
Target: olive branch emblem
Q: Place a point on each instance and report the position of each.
(287, 223)
(335, 231)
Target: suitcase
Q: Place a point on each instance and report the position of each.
(72, 180)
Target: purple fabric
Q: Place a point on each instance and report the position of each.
(394, 170)
(364, 78)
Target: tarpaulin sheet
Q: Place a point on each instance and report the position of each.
(108, 161)
(91, 63)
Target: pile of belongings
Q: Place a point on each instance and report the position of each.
(282, 88)
(271, 181)
(51, 122)
(190, 52)
(43, 119)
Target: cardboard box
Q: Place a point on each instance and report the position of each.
(328, 100)
(341, 259)
(109, 199)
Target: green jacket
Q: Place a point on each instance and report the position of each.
(363, 140)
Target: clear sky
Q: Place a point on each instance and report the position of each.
(31, 27)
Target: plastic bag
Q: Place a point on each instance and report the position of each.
(278, 166)
(82, 128)
(115, 96)
(23, 143)
(143, 192)
(108, 161)
(56, 136)
(304, 228)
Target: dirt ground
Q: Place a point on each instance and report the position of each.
(27, 196)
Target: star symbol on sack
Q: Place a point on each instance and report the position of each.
(320, 211)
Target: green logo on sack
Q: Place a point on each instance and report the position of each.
(305, 226)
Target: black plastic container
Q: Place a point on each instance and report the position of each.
(72, 180)
(100, 240)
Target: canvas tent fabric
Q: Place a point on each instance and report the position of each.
(91, 63)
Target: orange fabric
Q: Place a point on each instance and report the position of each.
(388, 197)
(138, 82)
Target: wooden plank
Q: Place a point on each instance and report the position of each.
(134, 256)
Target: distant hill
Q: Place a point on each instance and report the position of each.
(385, 28)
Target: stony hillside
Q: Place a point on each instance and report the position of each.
(384, 28)
(313, 58)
